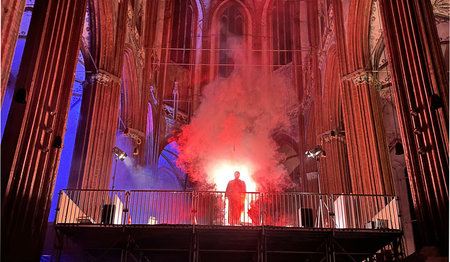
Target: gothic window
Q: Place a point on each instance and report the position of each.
(282, 36)
(231, 33)
(181, 32)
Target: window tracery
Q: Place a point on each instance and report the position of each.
(231, 34)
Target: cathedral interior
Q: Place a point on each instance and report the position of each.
(304, 97)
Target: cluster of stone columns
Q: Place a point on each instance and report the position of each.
(368, 155)
(32, 141)
(333, 169)
(96, 133)
(420, 85)
(34, 133)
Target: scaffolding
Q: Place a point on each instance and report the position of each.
(192, 226)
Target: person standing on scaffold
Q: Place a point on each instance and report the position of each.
(236, 199)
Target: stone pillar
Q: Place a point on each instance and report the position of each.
(12, 11)
(96, 133)
(34, 132)
(368, 155)
(334, 173)
(370, 169)
(420, 85)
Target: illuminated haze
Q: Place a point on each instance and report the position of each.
(232, 130)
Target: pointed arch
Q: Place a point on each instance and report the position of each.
(102, 42)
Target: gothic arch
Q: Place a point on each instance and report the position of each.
(289, 147)
(102, 37)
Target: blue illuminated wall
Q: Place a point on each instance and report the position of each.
(69, 137)
(169, 174)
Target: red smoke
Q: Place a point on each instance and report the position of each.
(234, 124)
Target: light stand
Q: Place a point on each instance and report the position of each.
(317, 152)
(320, 217)
(118, 154)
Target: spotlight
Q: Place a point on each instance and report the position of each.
(315, 152)
(119, 153)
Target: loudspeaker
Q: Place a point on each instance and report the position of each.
(306, 217)
(108, 214)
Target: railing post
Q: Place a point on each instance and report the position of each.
(126, 208)
(57, 206)
(331, 211)
(261, 209)
(194, 207)
(399, 215)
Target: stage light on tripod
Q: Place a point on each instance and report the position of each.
(119, 153)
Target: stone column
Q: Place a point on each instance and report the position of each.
(34, 132)
(334, 170)
(420, 85)
(12, 11)
(368, 155)
(96, 133)
(370, 169)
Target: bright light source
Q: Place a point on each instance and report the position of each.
(223, 171)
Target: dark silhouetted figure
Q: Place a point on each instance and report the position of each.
(236, 197)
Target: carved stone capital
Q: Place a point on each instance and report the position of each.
(362, 78)
(359, 77)
(103, 77)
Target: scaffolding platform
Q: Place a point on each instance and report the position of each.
(139, 225)
(229, 243)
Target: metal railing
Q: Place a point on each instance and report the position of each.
(300, 210)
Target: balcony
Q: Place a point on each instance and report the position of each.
(293, 225)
